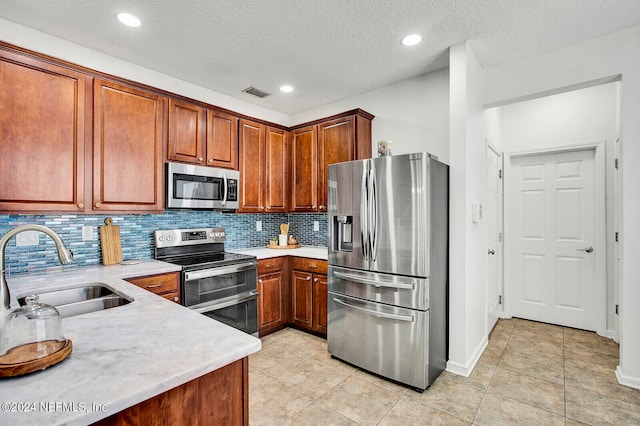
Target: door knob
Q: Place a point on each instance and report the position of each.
(587, 249)
(492, 252)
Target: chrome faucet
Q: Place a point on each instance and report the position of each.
(64, 254)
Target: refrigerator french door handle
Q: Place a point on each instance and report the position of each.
(364, 215)
(408, 318)
(362, 280)
(373, 213)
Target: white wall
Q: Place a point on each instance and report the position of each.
(413, 114)
(607, 58)
(468, 185)
(571, 118)
(37, 41)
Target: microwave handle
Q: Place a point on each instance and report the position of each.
(224, 193)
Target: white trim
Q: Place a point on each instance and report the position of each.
(630, 381)
(466, 369)
(499, 226)
(601, 254)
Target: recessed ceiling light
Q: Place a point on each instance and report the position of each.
(128, 19)
(411, 39)
(286, 88)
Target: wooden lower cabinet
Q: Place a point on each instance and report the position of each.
(273, 295)
(165, 285)
(309, 294)
(218, 398)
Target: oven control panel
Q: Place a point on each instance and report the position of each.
(184, 237)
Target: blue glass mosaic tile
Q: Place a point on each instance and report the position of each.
(136, 233)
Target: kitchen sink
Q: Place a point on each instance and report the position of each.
(80, 300)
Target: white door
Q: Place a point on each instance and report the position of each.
(494, 228)
(552, 235)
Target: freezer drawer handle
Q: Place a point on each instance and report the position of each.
(375, 313)
(356, 278)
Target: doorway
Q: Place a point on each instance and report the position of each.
(555, 237)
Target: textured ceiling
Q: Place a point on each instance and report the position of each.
(326, 49)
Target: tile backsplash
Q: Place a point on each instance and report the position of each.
(136, 233)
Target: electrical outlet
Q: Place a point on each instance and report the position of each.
(87, 233)
(28, 238)
(316, 225)
(258, 225)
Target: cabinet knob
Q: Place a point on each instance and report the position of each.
(313, 206)
(260, 281)
(200, 158)
(175, 299)
(308, 278)
(211, 160)
(97, 205)
(313, 266)
(322, 207)
(315, 280)
(261, 207)
(81, 206)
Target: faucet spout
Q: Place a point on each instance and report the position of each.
(64, 254)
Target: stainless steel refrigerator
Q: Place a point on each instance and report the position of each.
(388, 266)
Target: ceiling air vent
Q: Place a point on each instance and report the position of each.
(256, 92)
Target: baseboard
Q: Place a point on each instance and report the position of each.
(466, 369)
(630, 381)
(611, 334)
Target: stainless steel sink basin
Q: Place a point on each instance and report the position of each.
(80, 300)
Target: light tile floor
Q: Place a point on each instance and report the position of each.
(530, 374)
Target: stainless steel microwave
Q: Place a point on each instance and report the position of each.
(198, 187)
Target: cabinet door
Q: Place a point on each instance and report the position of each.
(270, 301)
(222, 140)
(335, 145)
(186, 132)
(42, 123)
(304, 165)
(320, 289)
(276, 156)
(127, 144)
(302, 299)
(251, 166)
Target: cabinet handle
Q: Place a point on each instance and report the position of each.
(81, 206)
(308, 278)
(200, 158)
(154, 285)
(269, 266)
(260, 280)
(315, 280)
(97, 205)
(313, 266)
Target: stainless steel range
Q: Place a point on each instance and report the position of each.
(220, 285)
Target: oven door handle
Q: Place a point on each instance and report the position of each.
(213, 272)
(241, 298)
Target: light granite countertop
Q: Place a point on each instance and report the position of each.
(121, 356)
(312, 252)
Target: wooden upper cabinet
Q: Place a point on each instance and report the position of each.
(127, 148)
(222, 140)
(42, 130)
(343, 137)
(304, 165)
(335, 145)
(276, 164)
(186, 132)
(251, 143)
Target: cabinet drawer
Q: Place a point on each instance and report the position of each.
(310, 265)
(270, 265)
(162, 283)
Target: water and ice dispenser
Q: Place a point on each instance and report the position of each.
(343, 230)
